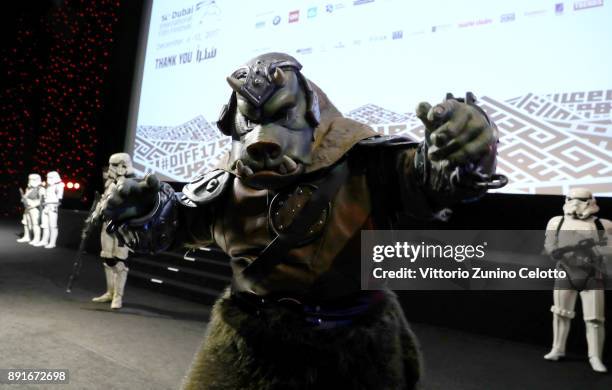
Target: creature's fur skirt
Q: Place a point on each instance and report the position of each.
(277, 350)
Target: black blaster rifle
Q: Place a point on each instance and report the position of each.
(583, 249)
(90, 222)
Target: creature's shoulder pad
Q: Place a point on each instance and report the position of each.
(206, 188)
(387, 141)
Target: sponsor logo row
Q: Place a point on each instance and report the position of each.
(295, 16)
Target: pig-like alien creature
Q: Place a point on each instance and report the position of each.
(287, 205)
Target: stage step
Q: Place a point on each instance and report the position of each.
(197, 274)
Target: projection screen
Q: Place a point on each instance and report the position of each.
(541, 69)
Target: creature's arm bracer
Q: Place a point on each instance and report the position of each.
(173, 222)
(428, 189)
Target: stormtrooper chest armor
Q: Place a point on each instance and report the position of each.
(52, 193)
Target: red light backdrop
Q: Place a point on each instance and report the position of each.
(51, 100)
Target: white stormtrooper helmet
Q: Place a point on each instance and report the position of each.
(580, 203)
(34, 180)
(120, 164)
(53, 178)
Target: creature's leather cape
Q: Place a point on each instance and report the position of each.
(334, 136)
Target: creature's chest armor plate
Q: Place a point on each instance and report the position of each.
(251, 218)
(286, 205)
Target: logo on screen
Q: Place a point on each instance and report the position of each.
(376, 38)
(276, 20)
(507, 18)
(208, 5)
(397, 34)
(312, 12)
(182, 12)
(329, 8)
(294, 16)
(559, 8)
(580, 5)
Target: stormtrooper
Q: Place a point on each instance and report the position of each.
(287, 205)
(578, 240)
(32, 200)
(113, 253)
(54, 192)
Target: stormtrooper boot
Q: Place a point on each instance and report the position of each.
(110, 286)
(561, 327)
(26, 235)
(44, 240)
(120, 272)
(595, 333)
(36, 238)
(52, 238)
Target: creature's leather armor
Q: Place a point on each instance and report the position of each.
(382, 181)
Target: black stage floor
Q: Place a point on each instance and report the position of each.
(150, 342)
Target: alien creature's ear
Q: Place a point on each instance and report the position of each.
(225, 123)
